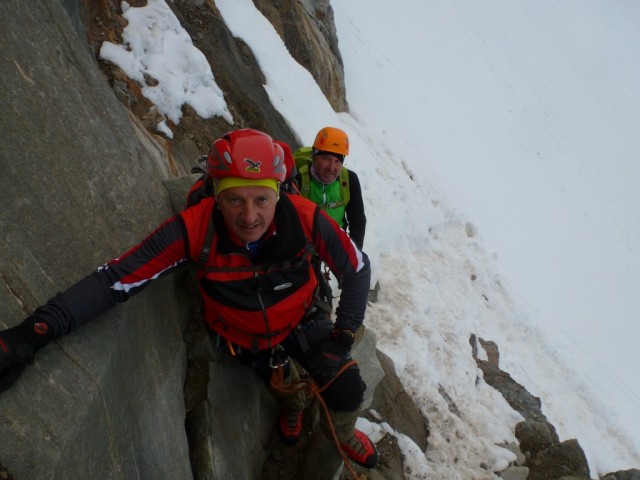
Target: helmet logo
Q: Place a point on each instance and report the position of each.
(324, 135)
(253, 165)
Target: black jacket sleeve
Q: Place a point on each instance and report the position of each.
(162, 252)
(356, 219)
(350, 266)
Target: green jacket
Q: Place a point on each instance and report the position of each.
(341, 200)
(332, 198)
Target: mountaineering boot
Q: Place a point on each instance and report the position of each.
(355, 444)
(361, 450)
(290, 425)
(291, 406)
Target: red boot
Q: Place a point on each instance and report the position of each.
(290, 425)
(361, 450)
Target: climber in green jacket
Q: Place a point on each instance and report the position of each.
(323, 178)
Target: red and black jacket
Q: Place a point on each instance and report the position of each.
(252, 301)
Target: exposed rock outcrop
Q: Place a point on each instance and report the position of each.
(77, 170)
(545, 456)
(308, 31)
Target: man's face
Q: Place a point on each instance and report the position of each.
(327, 167)
(248, 211)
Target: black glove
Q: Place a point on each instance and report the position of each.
(331, 355)
(18, 346)
(343, 337)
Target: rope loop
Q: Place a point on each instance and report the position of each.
(277, 383)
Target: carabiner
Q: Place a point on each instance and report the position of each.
(278, 358)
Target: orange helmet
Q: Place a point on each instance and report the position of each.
(248, 154)
(331, 139)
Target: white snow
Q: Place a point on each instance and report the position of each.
(497, 147)
(159, 54)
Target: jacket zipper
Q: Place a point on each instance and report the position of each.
(264, 310)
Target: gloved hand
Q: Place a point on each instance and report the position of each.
(343, 337)
(331, 355)
(18, 346)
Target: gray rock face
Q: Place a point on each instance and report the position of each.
(633, 474)
(545, 456)
(106, 401)
(83, 181)
(308, 30)
(565, 459)
(399, 409)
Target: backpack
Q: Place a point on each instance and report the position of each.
(203, 186)
(303, 159)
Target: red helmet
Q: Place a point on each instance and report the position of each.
(289, 160)
(246, 153)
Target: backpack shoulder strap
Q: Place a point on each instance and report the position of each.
(205, 253)
(344, 185)
(305, 180)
